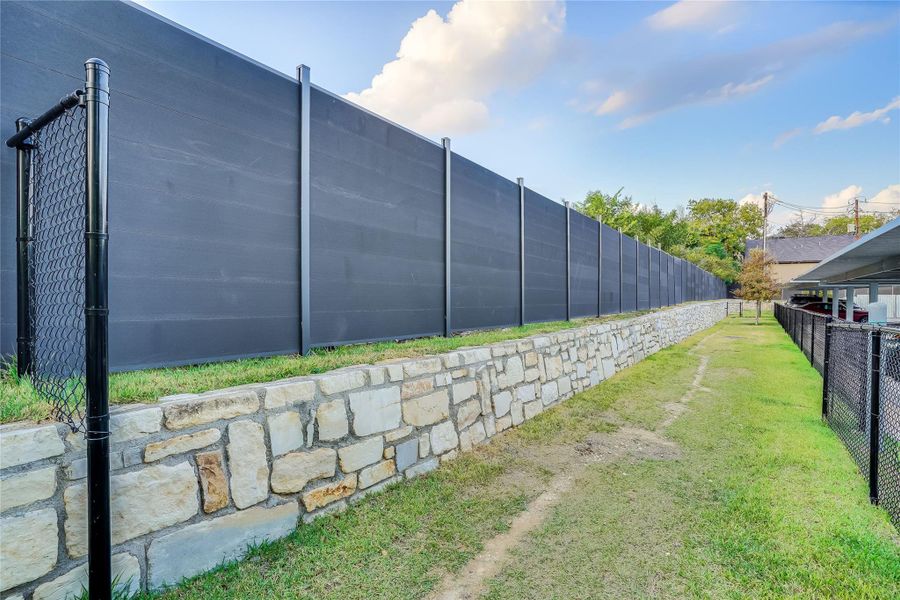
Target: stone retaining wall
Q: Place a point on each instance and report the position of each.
(196, 478)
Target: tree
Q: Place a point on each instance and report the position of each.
(799, 228)
(755, 281)
(651, 224)
(726, 222)
(838, 225)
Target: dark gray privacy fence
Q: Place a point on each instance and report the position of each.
(860, 366)
(254, 215)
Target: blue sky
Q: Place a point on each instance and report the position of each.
(671, 101)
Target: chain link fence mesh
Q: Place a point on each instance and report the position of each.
(57, 262)
(848, 390)
(889, 430)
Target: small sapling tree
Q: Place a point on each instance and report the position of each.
(755, 281)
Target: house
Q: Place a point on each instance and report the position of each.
(796, 256)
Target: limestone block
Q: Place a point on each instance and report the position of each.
(330, 492)
(286, 394)
(213, 480)
(424, 445)
(292, 472)
(423, 467)
(356, 456)
(375, 411)
(29, 546)
(161, 495)
(28, 487)
(248, 463)
(285, 432)
(418, 387)
(207, 544)
(206, 409)
(427, 410)
(502, 403)
(424, 366)
(342, 381)
(463, 391)
(376, 473)
(125, 569)
(21, 446)
(398, 434)
(549, 393)
(181, 443)
(443, 437)
(134, 424)
(407, 454)
(332, 420)
(467, 413)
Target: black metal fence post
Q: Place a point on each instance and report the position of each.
(96, 314)
(621, 273)
(874, 414)
(303, 77)
(825, 361)
(23, 238)
(568, 263)
(521, 182)
(448, 327)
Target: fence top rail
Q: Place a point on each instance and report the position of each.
(34, 125)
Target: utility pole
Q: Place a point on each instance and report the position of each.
(856, 217)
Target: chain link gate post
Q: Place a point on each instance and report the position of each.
(23, 237)
(874, 413)
(96, 316)
(62, 297)
(825, 360)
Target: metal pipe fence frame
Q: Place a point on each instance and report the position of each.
(49, 195)
(860, 368)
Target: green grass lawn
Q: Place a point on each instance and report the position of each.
(764, 501)
(19, 401)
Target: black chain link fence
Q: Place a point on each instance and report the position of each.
(851, 358)
(56, 203)
(889, 425)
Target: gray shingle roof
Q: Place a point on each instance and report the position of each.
(806, 249)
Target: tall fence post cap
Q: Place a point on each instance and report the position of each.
(520, 180)
(445, 142)
(98, 63)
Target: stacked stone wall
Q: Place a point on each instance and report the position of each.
(197, 478)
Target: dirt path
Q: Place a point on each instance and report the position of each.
(624, 444)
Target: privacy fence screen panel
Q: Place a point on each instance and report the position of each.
(376, 228)
(545, 259)
(654, 278)
(643, 263)
(212, 187)
(609, 271)
(485, 251)
(584, 247)
(629, 274)
(860, 366)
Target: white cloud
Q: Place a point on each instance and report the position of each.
(785, 136)
(886, 199)
(841, 199)
(688, 14)
(858, 118)
(446, 69)
(637, 94)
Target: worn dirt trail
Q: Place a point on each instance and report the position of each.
(624, 444)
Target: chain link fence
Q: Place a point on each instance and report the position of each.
(57, 264)
(860, 365)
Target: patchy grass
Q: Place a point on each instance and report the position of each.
(18, 400)
(764, 502)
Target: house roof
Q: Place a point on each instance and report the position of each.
(875, 258)
(802, 249)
